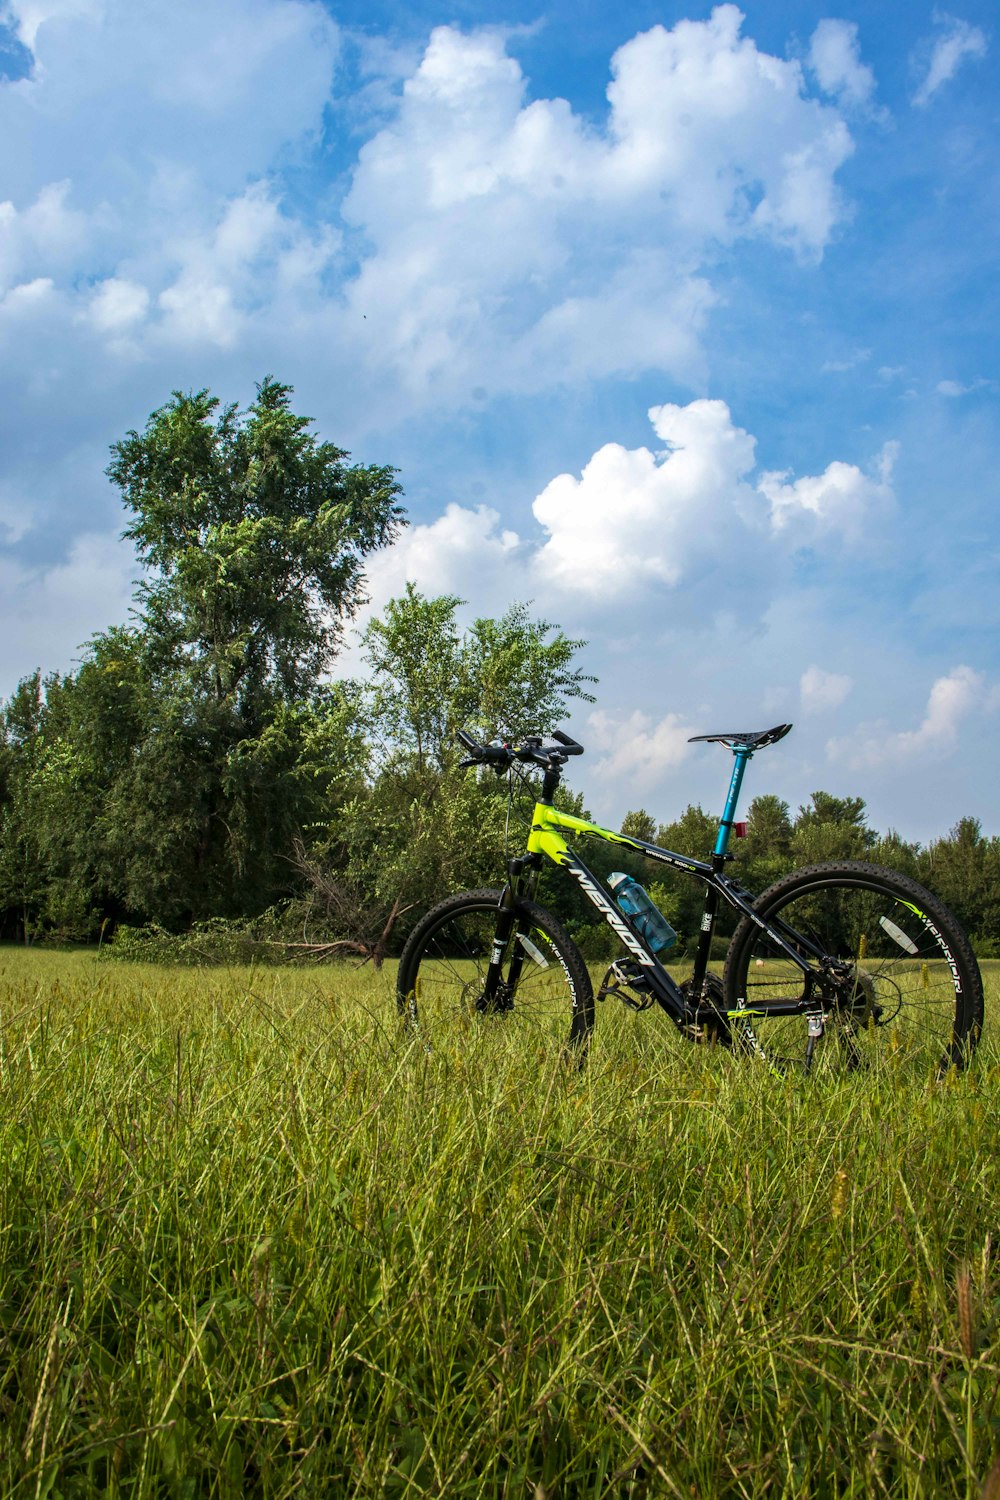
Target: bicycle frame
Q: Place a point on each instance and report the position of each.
(546, 841)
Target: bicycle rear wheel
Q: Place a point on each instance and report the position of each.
(898, 976)
(545, 990)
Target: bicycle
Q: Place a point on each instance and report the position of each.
(831, 961)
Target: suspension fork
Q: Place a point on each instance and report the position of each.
(522, 878)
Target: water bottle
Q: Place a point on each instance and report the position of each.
(636, 903)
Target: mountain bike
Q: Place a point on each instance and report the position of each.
(837, 963)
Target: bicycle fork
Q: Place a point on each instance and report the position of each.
(497, 992)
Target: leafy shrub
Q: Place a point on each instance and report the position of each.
(218, 941)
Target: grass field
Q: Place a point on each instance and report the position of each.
(252, 1243)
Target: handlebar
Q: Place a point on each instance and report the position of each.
(531, 751)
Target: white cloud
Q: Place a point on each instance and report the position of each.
(28, 16)
(951, 700)
(493, 241)
(958, 42)
(48, 236)
(518, 242)
(635, 517)
(53, 610)
(462, 548)
(214, 89)
(820, 690)
(840, 504)
(117, 304)
(955, 389)
(253, 260)
(635, 748)
(24, 300)
(686, 518)
(841, 366)
(835, 58)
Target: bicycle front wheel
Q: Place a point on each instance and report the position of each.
(544, 989)
(891, 973)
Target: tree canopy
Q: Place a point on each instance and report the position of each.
(253, 535)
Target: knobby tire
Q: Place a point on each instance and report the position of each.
(904, 981)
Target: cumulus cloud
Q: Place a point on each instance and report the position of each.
(951, 700)
(515, 236)
(957, 42)
(462, 547)
(686, 517)
(253, 256)
(636, 748)
(203, 93)
(838, 505)
(46, 236)
(835, 58)
(820, 690)
(636, 518)
(117, 304)
(488, 240)
(54, 609)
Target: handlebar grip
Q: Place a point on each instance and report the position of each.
(497, 756)
(569, 745)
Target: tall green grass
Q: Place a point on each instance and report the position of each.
(254, 1243)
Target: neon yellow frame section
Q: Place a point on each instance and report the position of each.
(544, 839)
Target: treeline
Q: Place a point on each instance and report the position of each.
(200, 767)
(963, 868)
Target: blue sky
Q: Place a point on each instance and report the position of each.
(679, 321)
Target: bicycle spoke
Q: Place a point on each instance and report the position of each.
(890, 980)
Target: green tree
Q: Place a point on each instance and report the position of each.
(896, 853)
(415, 687)
(518, 676)
(504, 677)
(964, 870)
(23, 874)
(168, 778)
(47, 813)
(832, 828)
(420, 825)
(766, 853)
(640, 825)
(254, 536)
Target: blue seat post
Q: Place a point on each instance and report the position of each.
(740, 757)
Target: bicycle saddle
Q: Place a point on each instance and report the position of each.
(754, 739)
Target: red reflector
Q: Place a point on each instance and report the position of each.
(740, 830)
